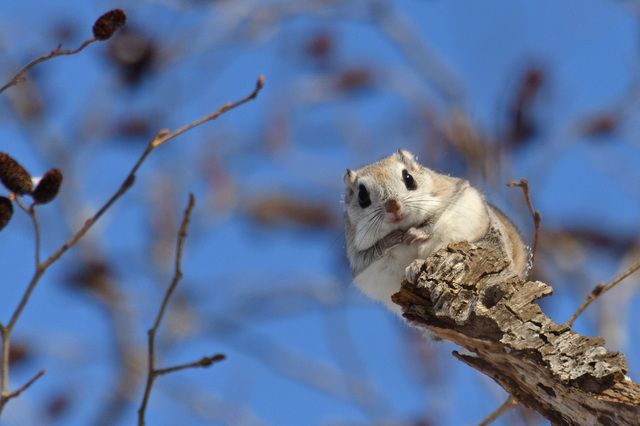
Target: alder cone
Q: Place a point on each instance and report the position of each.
(6, 211)
(48, 187)
(14, 176)
(106, 25)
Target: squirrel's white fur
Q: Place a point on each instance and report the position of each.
(393, 222)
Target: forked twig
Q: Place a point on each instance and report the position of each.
(152, 371)
(535, 215)
(42, 266)
(601, 289)
(27, 385)
(58, 51)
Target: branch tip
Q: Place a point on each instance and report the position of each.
(260, 82)
(535, 214)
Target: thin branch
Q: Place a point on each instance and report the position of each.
(6, 345)
(5, 398)
(510, 402)
(27, 385)
(31, 211)
(18, 77)
(535, 215)
(152, 371)
(36, 232)
(160, 139)
(41, 267)
(182, 235)
(203, 362)
(601, 289)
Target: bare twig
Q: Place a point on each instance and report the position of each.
(152, 371)
(5, 364)
(203, 362)
(17, 78)
(6, 395)
(164, 137)
(41, 267)
(27, 385)
(601, 289)
(182, 235)
(510, 402)
(535, 215)
(31, 211)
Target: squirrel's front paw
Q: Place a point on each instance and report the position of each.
(392, 240)
(411, 272)
(415, 236)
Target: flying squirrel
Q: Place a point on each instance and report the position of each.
(398, 212)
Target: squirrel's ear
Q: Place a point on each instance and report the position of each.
(407, 158)
(349, 177)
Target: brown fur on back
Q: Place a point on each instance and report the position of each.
(519, 253)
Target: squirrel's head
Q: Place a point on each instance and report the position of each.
(393, 193)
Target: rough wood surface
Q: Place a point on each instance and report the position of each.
(466, 294)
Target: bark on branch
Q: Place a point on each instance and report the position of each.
(466, 294)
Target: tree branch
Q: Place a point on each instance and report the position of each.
(535, 214)
(18, 391)
(601, 289)
(466, 294)
(31, 211)
(164, 137)
(27, 385)
(204, 362)
(160, 138)
(53, 54)
(152, 371)
(41, 267)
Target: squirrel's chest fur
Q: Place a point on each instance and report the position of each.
(383, 277)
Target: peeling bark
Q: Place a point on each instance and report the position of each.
(466, 294)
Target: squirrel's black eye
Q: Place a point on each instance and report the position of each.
(363, 197)
(409, 182)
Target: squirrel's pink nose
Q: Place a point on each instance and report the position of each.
(392, 206)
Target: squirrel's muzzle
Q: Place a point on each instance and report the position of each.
(392, 206)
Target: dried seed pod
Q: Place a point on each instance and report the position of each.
(6, 211)
(14, 176)
(48, 187)
(106, 25)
